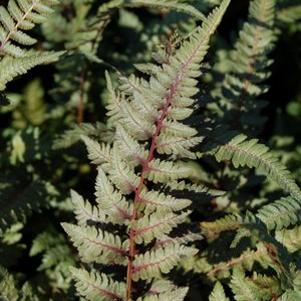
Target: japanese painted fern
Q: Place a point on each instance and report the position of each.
(134, 220)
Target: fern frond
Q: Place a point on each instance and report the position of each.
(249, 68)
(21, 15)
(166, 171)
(213, 229)
(170, 5)
(243, 289)
(177, 145)
(290, 238)
(280, 214)
(288, 12)
(245, 261)
(95, 286)
(243, 152)
(128, 146)
(121, 174)
(22, 197)
(56, 258)
(74, 134)
(142, 111)
(12, 67)
(9, 290)
(155, 200)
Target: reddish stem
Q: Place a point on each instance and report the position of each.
(145, 169)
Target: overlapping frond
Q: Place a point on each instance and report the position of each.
(280, 214)
(245, 261)
(84, 211)
(22, 197)
(249, 69)
(290, 238)
(213, 229)
(12, 67)
(156, 225)
(243, 152)
(19, 16)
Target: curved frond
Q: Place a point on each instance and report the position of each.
(280, 214)
(243, 152)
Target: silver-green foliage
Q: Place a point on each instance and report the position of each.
(249, 68)
(16, 57)
(132, 175)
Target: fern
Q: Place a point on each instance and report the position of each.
(288, 11)
(280, 214)
(12, 67)
(24, 196)
(56, 258)
(249, 68)
(11, 292)
(290, 238)
(127, 169)
(245, 261)
(246, 289)
(95, 286)
(21, 15)
(243, 152)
